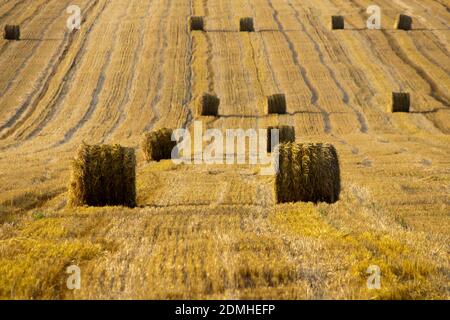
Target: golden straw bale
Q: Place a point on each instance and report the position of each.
(246, 25)
(308, 172)
(12, 32)
(285, 134)
(158, 145)
(103, 175)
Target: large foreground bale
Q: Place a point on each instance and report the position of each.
(158, 145)
(307, 172)
(401, 102)
(246, 25)
(276, 104)
(12, 32)
(208, 105)
(103, 175)
(337, 22)
(196, 23)
(285, 134)
(403, 22)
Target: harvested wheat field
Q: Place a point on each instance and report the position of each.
(210, 230)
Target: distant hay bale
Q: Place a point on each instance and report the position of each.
(246, 25)
(12, 32)
(401, 102)
(285, 134)
(158, 145)
(337, 22)
(276, 104)
(308, 172)
(103, 175)
(196, 23)
(403, 22)
(208, 105)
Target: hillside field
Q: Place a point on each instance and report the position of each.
(215, 231)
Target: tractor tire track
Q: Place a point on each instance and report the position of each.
(13, 123)
(294, 54)
(435, 91)
(96, 93)
(34, 48)
(8, 123)
(93, 104)
(189, 75)
(266, 52)
(209, 59)
(345, 97)
(250, 90)
(23, 23)
(160, 80)
(136, 58)
(13, 8)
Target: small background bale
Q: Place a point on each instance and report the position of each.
(103, 175)
(308, 172)
(403, 22)
(196, 23)
(208, 105)
(401, 102)
(246, 25)
(158, 145)
(12, 32)
(286, 134)
(337, 22)
(276, 104)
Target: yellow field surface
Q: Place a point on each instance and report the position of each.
(215, 231)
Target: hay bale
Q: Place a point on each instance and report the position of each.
(103, 175)
(196, 23)
(208, 105)
(12, 32)
(158, 145)
(276, 104)
(401, 102)
(246, 25)
(308, 172)
(403, 22)
(285, 134)
(337, 23)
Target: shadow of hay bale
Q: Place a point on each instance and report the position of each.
(158, 145)
(103, 175)
(308, 172)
